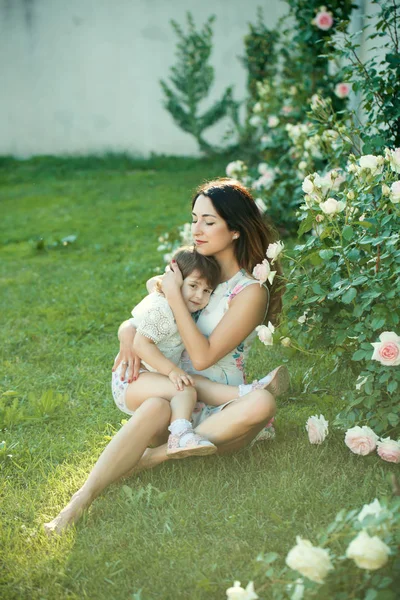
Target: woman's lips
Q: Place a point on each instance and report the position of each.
(199, 242)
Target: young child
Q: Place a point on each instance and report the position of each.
(159, 345)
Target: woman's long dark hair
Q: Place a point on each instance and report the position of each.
(234, 203)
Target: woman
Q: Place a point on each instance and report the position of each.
(227, 225)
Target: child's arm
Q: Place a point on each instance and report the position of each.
(149, 352)
(151, 283)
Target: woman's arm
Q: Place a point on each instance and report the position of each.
(126, 355)
(246, 311)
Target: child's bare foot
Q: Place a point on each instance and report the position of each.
(69, 515)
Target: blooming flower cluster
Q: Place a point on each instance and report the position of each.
(263, 271)
(363, 441)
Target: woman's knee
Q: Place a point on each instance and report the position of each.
(157, 408)
(260, 406)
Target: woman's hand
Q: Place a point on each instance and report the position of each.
(172, 280)
(130, 362)
(126, 356)
(180, 378)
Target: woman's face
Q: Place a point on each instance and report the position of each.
(210, 231)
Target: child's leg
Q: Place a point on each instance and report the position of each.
(182, 441)
(156, 385)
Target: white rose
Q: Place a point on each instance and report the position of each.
(374, 508)
(302, 319)
(361, 440)
(307, 185)
(263, 272)
(265, 334)
(286, 342)
(234, 168)
(238, 593)
(273, 121)
(368, 552)
(317, 429)
(332, 206)
(274, 250)
(309, 560)
(369, 161)
(257, 108)
(394, 159)
(395, 192)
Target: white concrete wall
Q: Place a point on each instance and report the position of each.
(82, 76)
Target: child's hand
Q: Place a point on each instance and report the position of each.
(180, 378)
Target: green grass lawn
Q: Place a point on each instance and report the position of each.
(187, 529)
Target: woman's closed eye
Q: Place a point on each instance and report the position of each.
(205, 223)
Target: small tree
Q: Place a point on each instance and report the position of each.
(192, 78)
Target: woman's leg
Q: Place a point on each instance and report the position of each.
(212, 393)
(215, 394)
(118, 458)
(231, 429)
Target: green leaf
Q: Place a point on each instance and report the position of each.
(349, 295)
(392, 387)
(326, 254)
(347, 232)
(359, 355)
(393, 419)
(270, 557)
(306, 225)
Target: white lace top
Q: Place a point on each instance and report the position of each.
(154, 319)
(231, 368)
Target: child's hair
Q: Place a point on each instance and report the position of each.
(189, 260)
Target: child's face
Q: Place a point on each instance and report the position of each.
(196, 291)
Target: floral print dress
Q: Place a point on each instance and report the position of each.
(231, 368)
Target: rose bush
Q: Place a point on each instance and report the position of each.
(362, 565)
(344, 281)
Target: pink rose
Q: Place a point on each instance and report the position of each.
(317, 429)
(262, 272)
(387, 350)
(324, 20)
(361, 440)
(389, 450)
(342, 90)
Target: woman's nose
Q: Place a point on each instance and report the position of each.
(196, 228)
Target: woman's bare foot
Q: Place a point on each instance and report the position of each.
(276, 382)
(70, 514)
